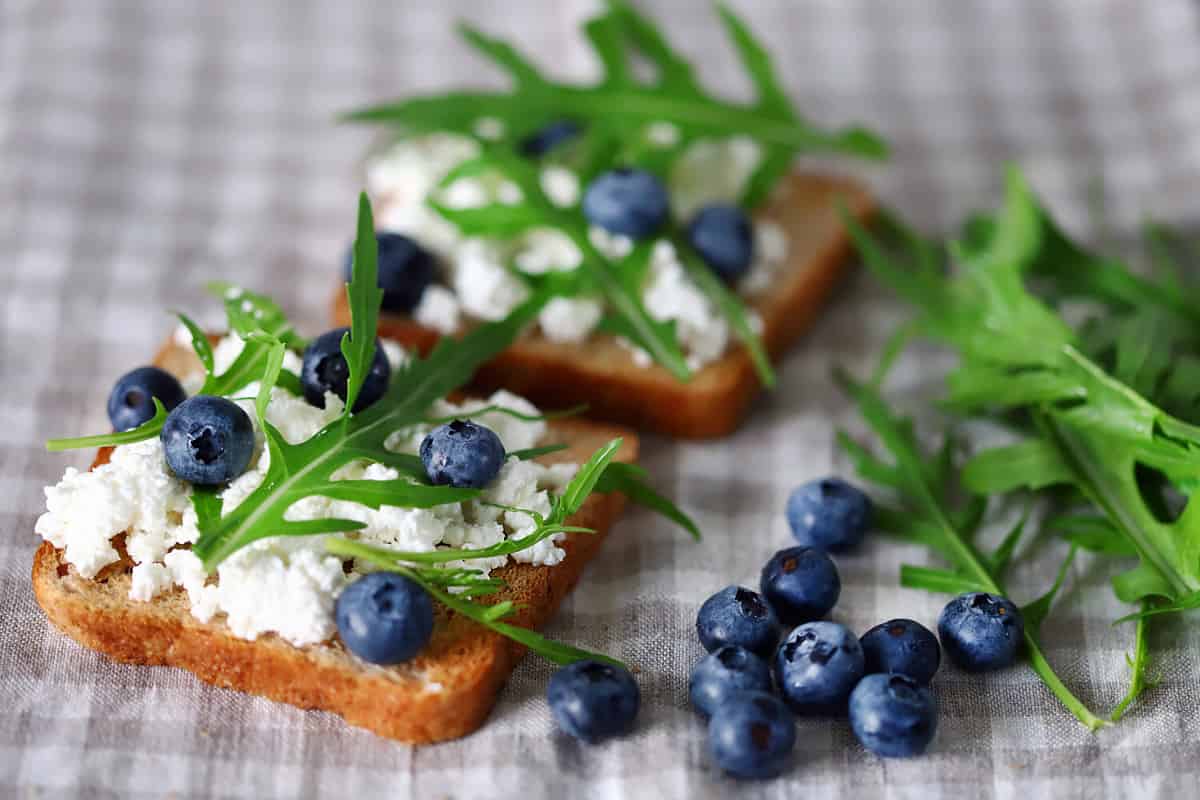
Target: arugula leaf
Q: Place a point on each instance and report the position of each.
(619, 104)
(364, 296)
(200, 343)
(249, 311)
(147, 430)
(927, 507)
(534, 452)
(630, 480)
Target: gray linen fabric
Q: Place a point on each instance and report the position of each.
(148, 147)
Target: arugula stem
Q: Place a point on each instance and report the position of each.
(913, 479)
(1138, 682)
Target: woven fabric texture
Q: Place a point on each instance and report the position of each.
(147, 147)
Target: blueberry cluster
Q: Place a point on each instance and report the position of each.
(751, 685)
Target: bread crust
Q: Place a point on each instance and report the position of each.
(445, 692)
(602, 374)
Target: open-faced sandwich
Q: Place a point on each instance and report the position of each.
(676, 250)
(330, 523)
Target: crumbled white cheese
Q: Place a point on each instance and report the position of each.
(288, 585)
(663, 134)
(545, 250)
(147, 580)
(489, 128)
(561, 186)
(611, 245)
(570, 319)
(133, 492)
(439, 309)
(672, 295)
(711, 170)
(465, 193)
(640, 357)
(401, 178)
(486, 289)
(509, 193)
(770, 253)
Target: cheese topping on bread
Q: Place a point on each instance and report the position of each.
(288, 585)
(477, 282)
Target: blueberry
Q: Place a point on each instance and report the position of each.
(384, 618)
(463, 454)
(801, 584)
(207, 440)
(723, 673)
(737, 615)
(816, 667)
(981, 631)
(892, 715)
(904, 647)
(829, 514)
(751, 735)
(626, 201)
(548, 137)
(130, 403)
(325, 370)
(723, 236)
(593, 701)
(405, 270)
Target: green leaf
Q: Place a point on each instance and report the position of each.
(147, 430)
(1035, 613)
(630, 480)
(925, 504)
(200, 343)
(248, 312)
(1031, 464)
(433, 580)
(933, 579)
(530, 453)
(584, 482)
(1138, 665)
(616, 103)
(364, 296)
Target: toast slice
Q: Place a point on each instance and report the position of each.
(602, 374)
(443, 693)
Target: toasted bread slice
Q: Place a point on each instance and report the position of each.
(443, 693)
(602, 374)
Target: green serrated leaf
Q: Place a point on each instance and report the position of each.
(630, 480)
(364, 296)
(200, 343)
(147, 430)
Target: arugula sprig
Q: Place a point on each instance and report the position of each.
(924, 486)
(1087, 400)
(621, 105)
(615, 115)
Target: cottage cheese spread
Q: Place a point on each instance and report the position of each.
(288, 585)
(481, 285)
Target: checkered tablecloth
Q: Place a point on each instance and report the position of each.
(146, 147)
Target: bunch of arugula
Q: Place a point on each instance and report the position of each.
(615, 115)
(1086, 402)
(307, 469)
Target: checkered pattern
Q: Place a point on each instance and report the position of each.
(148, 147)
